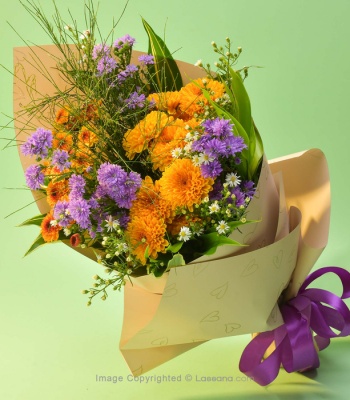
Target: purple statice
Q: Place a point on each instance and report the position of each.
(79, 210)
(126, 41)
(146, 59)
(135, 100)
(248, 188)
(60, 159)
(218, 139)
(105, 65)
(38, 143)
(61, 213)
(216, 193)
(123, 219)
(219, 127)
(118, 184)
(212, 169)
(240, 196)
(129, 71)
(214, 148)
(100, 51)
(77, 186)
(235, 144)
(111, 175)
(34, 177)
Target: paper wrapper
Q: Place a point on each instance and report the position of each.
(235, 291)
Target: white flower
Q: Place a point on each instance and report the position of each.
(184, 234)
(196, 160)
(214, 208)
(67, 231)
(53, 222)
(222, 227)
(205, 159)
(112, 224)
(198, 63)
(233, 179)
(188, 147)
(176, 153)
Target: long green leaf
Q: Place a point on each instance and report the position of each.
(213, 240)
(242, 102)
(167, 76)
(37, 220)
(39, 241)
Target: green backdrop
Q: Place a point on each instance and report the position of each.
(51, 345)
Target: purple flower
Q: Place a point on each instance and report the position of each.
(106, 65)
(60, 159)
(248, 188)
(216, 193)
(126, 40)
(34, 177)
(129, 71)
(77, 186)
(235, 144)
(146, 59)
(118, 184)
(110, 175)
(211, 170)
(240, 197)
(218, 127)
(79, 210)
(100, 50)
(38, 143)
(61, 213)
(135, 100)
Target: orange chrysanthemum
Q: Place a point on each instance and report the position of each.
(166, 101)
(172, 137)
(179, 221)
(49, 232)
(62, 116)
(192, 99)
(183, 185)
(86, 138)
(57, 191)
(136, 140)
(62, 141)
(147, 231)
(149, 201)
(81, 160)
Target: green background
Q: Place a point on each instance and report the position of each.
(51, 344)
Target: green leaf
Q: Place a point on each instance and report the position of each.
(235, 224)
(146, 252)
(166, 74)
(39, 241)
(176, 261)
(242, 101)
(37, 220)
(174, 248)
(213, 240)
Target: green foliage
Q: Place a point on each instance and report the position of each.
(165, 72)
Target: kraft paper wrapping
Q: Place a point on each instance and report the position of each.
(233, 292)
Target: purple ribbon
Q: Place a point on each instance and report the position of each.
(312, 310)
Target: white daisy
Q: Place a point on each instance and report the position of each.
(205, 158)
(233, 179)
(184, 234)
(176, 153)
(222, 227)
(111, 224)
(214, 208)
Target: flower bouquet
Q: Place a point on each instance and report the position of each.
(155, 169)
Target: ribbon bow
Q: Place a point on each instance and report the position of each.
(294, 340)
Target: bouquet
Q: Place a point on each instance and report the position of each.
(156, 170)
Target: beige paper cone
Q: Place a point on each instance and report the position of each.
(235, 291)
